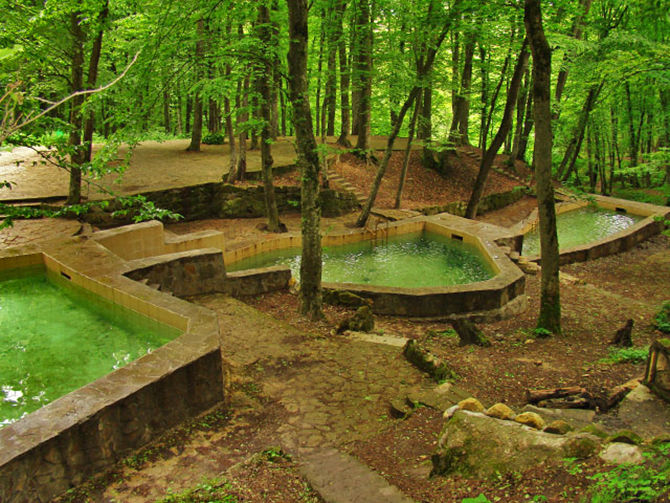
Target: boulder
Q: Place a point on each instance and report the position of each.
(618, 453)
(530, 419)
(558, 427)
(482, 446)
(500, 411)
(625, 437)
(576, 417)
(361, 321)
(471, 404)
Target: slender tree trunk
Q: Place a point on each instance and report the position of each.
(408, 151)
(265, 37)
(527, 124)
(242, 120)
(77, 158)
(345, 122)
(484, 94)
(196, 132)
(319, 73)
(166, 110)
(275, 88)
(329, 101)
(634, 137)
(365, 213)
(310, 264)
(505, 125)
(189, 113)
(458, 133)
(92, 79)
(523, 96)
(363, 75)
(577, 30)
(550, 304)
(572, 151)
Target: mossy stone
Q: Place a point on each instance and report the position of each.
(592, 429)
(471, 404)
(625, 437)
(558, 427)
(500, 411)
(531, 419)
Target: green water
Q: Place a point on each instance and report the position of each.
(581, 226)
(410, 261)
(53, 341)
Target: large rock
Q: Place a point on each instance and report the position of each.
(477, 445)
(619, 453)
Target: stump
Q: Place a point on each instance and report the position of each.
(469, 333)
(623, 337)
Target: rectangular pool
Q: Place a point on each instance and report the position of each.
(56, 337)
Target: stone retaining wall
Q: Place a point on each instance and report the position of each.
(488, 203)
(220, 200)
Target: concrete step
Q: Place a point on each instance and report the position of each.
(340, 478)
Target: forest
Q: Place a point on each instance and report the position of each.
(568, 99)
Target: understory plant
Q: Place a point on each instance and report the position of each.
(645, 482)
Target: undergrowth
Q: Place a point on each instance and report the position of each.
(626, 355)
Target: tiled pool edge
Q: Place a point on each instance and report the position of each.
(486, 298)
(619, 242)
(83, 432)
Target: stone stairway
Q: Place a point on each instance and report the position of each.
(340, 182)
(504, 172)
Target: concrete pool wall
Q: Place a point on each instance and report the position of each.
(86, 431)
(492, 298)
(621, 241)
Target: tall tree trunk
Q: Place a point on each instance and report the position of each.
(78, 155)
(166, 110)
(196, 132)
(458, 132)
(345, 122)
(265, 37)
(577, 30)
(550, 304)
(92, 79)
(363, 76)
(242, 120)
(408, 151)
(424, 66)
(310, 263)
(505, 125)
(527, 124)
(520, 110)
(367, 208)
(319, 73)
(484, 94)
(634, 137)
(572, 151)
(275, 88)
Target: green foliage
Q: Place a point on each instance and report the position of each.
(479, 499)
(542, 332)
(634, 483)
(662, 318)
(216, 490)
(213, 139)
(626, 355)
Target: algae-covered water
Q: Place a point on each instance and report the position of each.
(411, 261)
(53, 341)
(581, 226)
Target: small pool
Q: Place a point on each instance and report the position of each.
(581, 226)
(56, 339)
(412, 260)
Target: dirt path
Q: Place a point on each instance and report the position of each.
(153, 166)
(290, 389)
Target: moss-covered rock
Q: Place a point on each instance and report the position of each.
(500, 411)
(625, 437)
(530, 419)
(592, 429)
(482, 446)
(558, 427)
(427, 362)
(344, 298)
(471, 404)
(361, 321)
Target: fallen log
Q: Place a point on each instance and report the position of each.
(537, 395)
